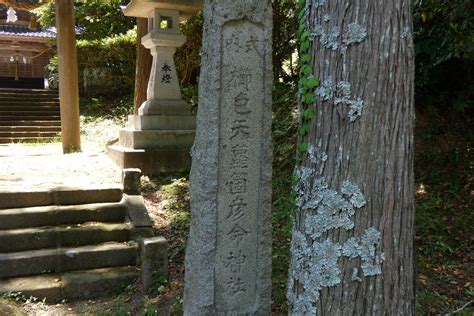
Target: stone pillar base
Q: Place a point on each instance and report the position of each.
(164, 107)
(151, 161)
(157, 140)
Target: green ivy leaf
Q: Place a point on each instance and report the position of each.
(305, 58)
(309, 114)
(301, 15)
(310, 97)
(304, 36)
(307, 69)
(301, 28)
(304, 129)
(313, 82)
(303, 147)
(304, 82)
(304, 46)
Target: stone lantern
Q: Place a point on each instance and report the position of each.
(160, 137)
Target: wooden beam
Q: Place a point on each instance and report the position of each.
(68, 76)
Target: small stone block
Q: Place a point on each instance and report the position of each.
(131, 181)
(142, 232)
(137, 211)
(154, 260)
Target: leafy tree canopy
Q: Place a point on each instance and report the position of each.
(95, 19)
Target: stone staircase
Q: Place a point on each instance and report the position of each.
(29, 115)
(74, 243)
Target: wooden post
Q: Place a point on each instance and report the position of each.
(68, 76)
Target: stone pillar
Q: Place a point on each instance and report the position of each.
(68, 76)
(228, 257)
(160, 137)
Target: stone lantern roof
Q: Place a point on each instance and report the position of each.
(142, 8)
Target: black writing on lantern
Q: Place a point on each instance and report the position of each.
(166, 70)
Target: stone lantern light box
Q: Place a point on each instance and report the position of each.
(163, 39)
(159, 138)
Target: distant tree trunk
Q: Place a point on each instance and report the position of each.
(352, 246)
(144, 61)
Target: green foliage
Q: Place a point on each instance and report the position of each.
(444, 221)
(106, 66)
(95, 19)
(112, 60)
(285, 44)
(285, 126)
(444, 46)
(188, 56)
(160, 284)
(102, 108)
(18, 297)
(106, 47)
(307, 81)
(174, 192)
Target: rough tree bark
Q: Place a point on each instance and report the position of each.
(352, 246)
(144, 61)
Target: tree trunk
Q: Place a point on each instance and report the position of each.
(144, 61)
(352, 247)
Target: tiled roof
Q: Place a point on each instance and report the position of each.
(23, 30)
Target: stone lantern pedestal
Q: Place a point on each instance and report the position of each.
(160, 137)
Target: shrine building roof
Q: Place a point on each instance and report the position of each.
(24, 31)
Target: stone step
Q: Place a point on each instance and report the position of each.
(92, 233)
(86, 284)
(60, 196)
(15, 117)
(30, 123)
(28, 108)
(6, 99)
(33, 112)
(58, 260)
(24, 128)
(10, 140)
(29, 102)
(32, 91)
(29, 217)
(28, 95)
(26, 134)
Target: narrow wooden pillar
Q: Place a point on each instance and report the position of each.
(68, 76)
